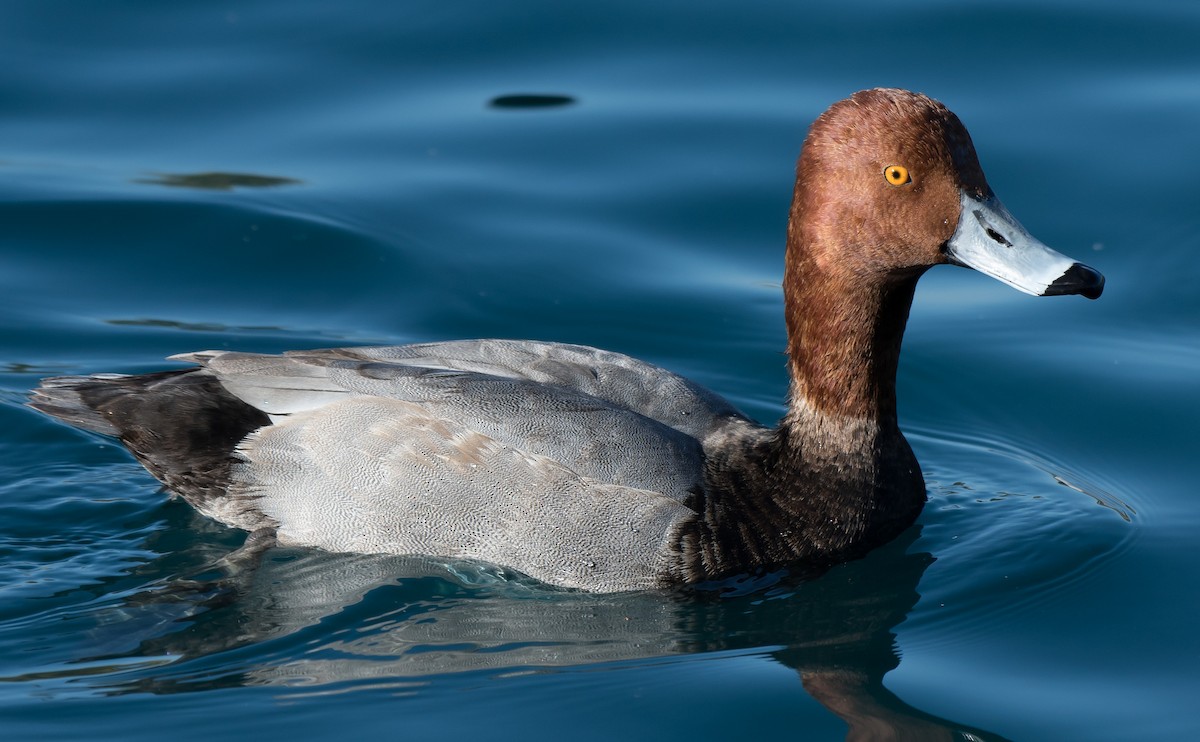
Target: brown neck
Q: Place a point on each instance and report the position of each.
(837, 478)
(844, 336)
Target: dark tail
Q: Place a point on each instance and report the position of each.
(182, 425)
(59, 396)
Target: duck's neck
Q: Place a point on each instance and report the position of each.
(844, 336)
(837, 478)
(839, 449)
(838, 455)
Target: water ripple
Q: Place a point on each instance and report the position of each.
(1013, 530)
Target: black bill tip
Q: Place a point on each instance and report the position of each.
(1078, 279)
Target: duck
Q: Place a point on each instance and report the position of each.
(585, 468)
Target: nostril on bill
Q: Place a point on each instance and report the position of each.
(990, 231)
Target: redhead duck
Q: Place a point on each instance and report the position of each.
(589, 469)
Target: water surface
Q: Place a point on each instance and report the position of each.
(274, 175)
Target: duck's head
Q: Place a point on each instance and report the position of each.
(888, 184)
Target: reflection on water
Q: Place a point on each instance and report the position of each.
(216, 181)
(374, 621)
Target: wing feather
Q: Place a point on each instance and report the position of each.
(387, 476)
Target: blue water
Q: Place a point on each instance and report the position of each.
(273, 175)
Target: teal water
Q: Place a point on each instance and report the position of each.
(275, 175)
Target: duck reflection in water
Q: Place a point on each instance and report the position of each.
(413, 621)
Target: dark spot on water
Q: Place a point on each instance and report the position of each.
(19, 367)
(530, 100)
(216, 181)
(192, 326)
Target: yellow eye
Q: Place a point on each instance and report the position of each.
(897, 175)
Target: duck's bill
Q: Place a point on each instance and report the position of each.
(992, 242)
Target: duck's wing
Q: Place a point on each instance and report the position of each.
(620, 380)
(381, 475)
(591, 419)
